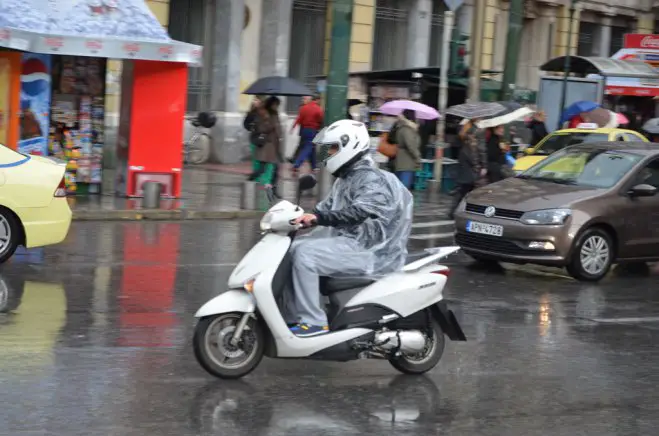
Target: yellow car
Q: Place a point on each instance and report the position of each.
(33, 208)
(562, 138)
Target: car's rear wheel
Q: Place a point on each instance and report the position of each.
(592, 256)
(10, 234)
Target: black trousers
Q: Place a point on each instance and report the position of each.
(460, 193)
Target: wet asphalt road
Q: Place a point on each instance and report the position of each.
(95, 340)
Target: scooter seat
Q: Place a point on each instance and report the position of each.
(330, 285)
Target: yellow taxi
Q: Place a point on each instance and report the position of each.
(562, 138)
(33, 208)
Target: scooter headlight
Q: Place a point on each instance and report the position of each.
(266, 222)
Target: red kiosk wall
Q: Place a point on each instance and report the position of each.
(155, 124)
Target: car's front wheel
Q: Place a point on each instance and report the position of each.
(592, 256)
(10, 234)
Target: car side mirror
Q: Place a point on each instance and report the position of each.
(305, 183)
(642, 190)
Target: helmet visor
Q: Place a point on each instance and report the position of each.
(325, 147)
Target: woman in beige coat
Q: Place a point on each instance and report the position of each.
(266, 137)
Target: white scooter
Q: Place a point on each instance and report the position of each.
(400, 317)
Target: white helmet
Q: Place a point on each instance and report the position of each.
(349, 138)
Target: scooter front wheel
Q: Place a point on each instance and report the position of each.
(215, 352)
(428, 358)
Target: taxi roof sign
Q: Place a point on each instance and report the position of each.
(587, 126)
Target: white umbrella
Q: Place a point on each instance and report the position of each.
(516, 115)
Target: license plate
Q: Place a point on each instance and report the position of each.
(484, 229)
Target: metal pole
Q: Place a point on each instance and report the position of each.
(443, 96)
(566, 66)
(337, 78)
(476, 55)
(513, 42)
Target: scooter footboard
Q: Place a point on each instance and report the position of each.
(448, 322)
(233, 300)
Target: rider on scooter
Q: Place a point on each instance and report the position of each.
(368, 219)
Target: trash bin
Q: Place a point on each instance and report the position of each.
(151, 195)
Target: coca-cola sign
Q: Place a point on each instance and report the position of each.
(641, 41)
(54, 43)
(131, 48)
(94, 45)
(165, 51)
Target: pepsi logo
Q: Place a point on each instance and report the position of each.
(35, 78)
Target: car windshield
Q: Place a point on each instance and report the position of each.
(559, 141)
(592, 168)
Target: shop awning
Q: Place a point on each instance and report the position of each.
(119, 29)
(606, 67)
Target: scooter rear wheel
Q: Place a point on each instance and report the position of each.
(427, 359)
(215, 353)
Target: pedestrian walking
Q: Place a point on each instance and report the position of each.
(249, 123)
(266, 137)
(472, 162)
(408, 141)
(310, 120)
(538, 127)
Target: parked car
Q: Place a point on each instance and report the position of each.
(583, 208)
(560, 139)
(33, 208)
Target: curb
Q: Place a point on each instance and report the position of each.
(163, 215)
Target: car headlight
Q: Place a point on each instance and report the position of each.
(266, 222)
(546, 216)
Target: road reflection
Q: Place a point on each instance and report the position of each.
(238, 407)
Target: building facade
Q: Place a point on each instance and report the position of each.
(247, 39)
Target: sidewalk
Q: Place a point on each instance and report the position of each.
(212, 191)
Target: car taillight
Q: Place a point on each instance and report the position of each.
(61, 189)
(445, 272)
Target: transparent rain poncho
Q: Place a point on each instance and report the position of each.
(374, 247)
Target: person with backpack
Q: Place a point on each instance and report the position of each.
(249, 124)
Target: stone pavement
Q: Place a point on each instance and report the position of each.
(214, 192)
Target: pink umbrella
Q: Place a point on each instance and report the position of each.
(621, 119)
(396, 107)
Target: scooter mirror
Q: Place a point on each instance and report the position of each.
(306, 182)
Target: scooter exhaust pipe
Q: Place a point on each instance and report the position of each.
(407, 341)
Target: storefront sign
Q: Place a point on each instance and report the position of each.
(632, 91)
(641, 41)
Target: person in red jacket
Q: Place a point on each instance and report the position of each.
(310, 120)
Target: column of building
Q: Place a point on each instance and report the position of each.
(489, 34)
(604, 38)
(562, 31)
(361, 37)
(645, 23)
(419, 31)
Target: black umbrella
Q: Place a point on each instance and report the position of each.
(354, 102)
(278, 85)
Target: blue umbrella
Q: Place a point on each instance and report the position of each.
(577, 108)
